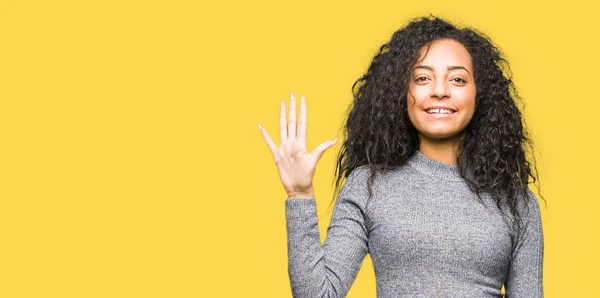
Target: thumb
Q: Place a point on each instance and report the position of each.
(318, 152)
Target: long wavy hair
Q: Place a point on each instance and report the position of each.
(495, 155)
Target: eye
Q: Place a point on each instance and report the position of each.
(459, 80)
(420, 79)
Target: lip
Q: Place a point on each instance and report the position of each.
(439, 115)
(439, 107)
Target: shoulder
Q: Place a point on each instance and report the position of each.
(356, 186)
(530, 206)
(362, 176)
(525, 206)
(357, 179)
(529, 214)
(365, 182)
(359, 174)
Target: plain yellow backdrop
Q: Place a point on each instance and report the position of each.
(131, 163)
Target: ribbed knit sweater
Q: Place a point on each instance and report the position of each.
(427, 233)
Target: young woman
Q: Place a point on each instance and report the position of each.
(436, 171)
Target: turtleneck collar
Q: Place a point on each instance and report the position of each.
(432, 167)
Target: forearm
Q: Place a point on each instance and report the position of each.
(306, 261)
(326, 270)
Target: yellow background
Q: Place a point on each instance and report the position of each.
(131, 163)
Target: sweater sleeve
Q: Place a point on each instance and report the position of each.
(524, 278)
(326, 270)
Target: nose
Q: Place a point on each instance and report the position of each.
(439, 90)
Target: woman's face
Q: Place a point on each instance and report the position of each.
(441, 99)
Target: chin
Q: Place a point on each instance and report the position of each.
(440, 135)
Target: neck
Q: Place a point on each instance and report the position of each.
(442, 150)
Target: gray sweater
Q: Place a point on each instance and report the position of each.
(427, 233)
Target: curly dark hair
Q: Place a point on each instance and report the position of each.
(496, 154)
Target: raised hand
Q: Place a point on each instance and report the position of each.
(295, 165)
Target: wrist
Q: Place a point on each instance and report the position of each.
(306, 194)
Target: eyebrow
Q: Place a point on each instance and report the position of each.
(453, 67)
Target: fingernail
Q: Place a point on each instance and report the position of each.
(303, 99)
(259, 126)
(283, 102)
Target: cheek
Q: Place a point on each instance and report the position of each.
(412, 105)
(415, 114)
(465, 99)
(420, 94)
(416, 97)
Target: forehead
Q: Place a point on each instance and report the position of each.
(445, 52)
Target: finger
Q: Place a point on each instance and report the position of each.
(302, 120)
(318, 152)
(282, 123)
(267, 139)
(292, 117)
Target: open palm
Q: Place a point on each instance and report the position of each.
(295, 164)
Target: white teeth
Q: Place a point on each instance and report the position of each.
(439, 111)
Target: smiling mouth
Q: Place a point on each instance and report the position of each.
(440, 111)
